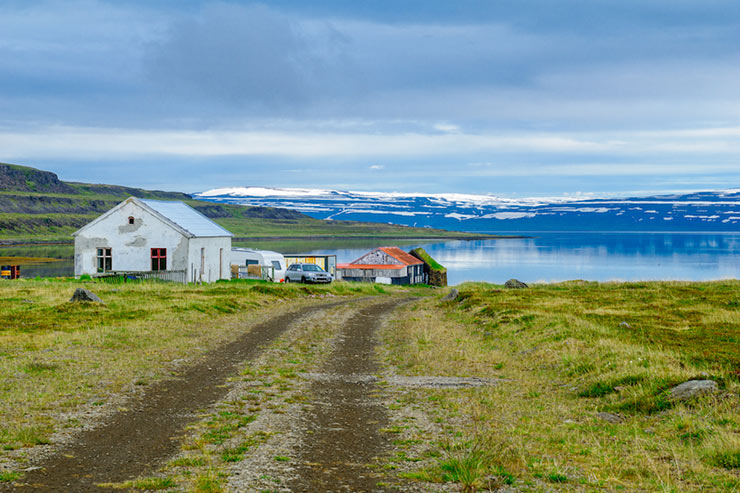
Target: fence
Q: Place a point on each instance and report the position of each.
(159, 275)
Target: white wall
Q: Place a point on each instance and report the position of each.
(216, 260)
(131, 244)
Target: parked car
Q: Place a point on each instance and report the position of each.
(307, 273)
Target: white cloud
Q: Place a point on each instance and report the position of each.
(298, 141)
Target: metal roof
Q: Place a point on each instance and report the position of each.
(394, 252)
(185, 217)
(401, 256)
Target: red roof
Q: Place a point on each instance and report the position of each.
(400, 255)
(395, 252)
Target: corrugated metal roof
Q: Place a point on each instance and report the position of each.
(186, 217)
(401, 256)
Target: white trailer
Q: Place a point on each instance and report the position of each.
(272, 263)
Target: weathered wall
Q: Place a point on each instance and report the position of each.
(215, 262)
(377, 257)
(131, 244)
(373, 273)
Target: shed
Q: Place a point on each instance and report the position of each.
(154, 238)
(390, 265)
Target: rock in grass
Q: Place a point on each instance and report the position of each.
(625, 325)
(693, 388)
(82, 294)
(610, 417)
(451, 296)
(515, 284)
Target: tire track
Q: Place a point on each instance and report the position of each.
(341, 427)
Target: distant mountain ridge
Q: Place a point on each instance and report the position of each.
(35, 205)
(717, 210)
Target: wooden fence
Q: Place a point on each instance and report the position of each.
(159, 275)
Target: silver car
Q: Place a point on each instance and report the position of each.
(307, 273)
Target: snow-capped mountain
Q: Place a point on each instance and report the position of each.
(695, 211)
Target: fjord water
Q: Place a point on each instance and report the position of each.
(543, 257)
(552, 257)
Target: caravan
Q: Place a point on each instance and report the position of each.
(266, 264)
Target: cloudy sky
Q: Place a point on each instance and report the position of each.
(509, 97)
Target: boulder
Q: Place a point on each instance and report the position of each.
(693, 388)
(610, 417)
(515, 284)
(82, 294)
(452, 295)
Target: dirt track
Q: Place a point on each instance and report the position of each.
(341, 429)
(139, 439)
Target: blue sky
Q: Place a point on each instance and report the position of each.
(513, 98)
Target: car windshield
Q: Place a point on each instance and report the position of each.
(312, 268)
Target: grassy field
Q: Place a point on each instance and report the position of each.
(556, 355)
(563, 354)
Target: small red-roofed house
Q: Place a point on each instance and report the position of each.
(386, 265)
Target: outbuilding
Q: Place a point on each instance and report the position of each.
(154, 238)
(388, 265)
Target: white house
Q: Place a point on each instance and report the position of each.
(166, 239)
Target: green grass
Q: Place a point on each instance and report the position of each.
(433, 264)
(152, 484)
(9, 476)
(566, 357)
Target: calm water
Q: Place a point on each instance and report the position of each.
(551, 257)
(548, 257)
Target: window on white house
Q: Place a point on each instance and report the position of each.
(105, 259)
(131, 219)
(159, 259)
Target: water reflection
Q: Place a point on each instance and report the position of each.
(591, 256)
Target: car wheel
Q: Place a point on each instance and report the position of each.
(287, 279)
(303, 279)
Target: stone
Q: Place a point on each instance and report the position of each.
(452, 295)
(515, 284)
(625, 325)
(82, 294)
(610, 417)
(693, 388)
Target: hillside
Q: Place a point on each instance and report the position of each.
(36, 205)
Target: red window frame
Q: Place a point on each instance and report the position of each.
(105, 259)
(159, 259)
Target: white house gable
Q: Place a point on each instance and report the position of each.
(136, 237)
